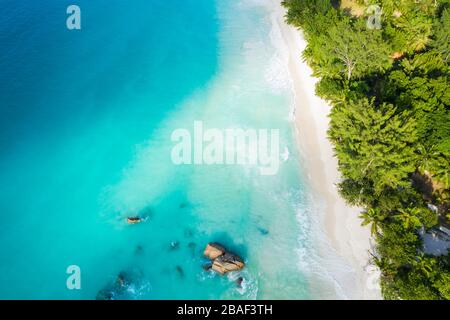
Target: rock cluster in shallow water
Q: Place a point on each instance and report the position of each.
(222, 260)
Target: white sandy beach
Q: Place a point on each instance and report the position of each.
(342, 226)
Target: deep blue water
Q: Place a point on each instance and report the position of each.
(85, 124)
(73, 105)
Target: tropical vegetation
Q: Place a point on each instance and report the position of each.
(384, 67)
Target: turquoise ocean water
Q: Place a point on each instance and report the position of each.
(86, 118)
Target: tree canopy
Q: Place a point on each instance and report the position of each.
(390, 126)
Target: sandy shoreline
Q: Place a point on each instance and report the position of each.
(341, 223)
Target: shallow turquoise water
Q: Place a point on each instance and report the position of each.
(86, 119)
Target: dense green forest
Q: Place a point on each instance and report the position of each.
(386, 74)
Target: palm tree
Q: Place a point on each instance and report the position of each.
(443, 175)
(388, 269)
(425, 264)
(373, 216)
(426, 156)
(409, 217)
(417, 31)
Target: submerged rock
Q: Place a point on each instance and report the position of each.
(207, 266)
(180, 271)
(105, 294)
(174, 245)
(145, 213)
(119, 289)
(183, 205)
(239, 282)
(139, 249)
(123, 280)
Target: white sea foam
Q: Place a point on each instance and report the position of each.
(285, 154)
(317, 257)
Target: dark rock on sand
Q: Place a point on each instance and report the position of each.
(183, 205)
(239, 282)
(180, 271)
(139, 250)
